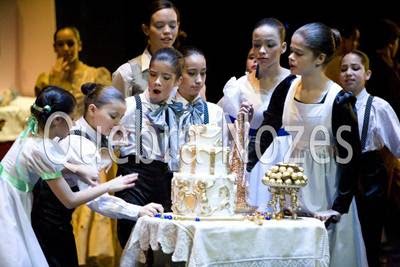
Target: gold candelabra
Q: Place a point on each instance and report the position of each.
(238, 167)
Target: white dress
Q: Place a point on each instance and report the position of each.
(235, 92)
(345, 238)
(34, 158)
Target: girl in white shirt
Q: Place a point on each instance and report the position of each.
(189, 106)
(146, 122)
(382, 128)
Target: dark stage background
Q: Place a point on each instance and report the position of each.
(111, 31)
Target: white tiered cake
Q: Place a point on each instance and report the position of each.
(204, 185)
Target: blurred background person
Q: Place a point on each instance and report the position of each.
(68, 71)
(161, 27)
(349, 39)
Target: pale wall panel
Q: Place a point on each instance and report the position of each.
(26, 30)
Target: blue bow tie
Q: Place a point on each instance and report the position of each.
(157, 117)
(177, 107)
(184, 117)
(193, 113)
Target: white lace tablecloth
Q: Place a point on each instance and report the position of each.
(14, 116)
(302, 242)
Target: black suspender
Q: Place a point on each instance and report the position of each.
(206, 117)
(366, 121)
(104, 141)
(138, 126)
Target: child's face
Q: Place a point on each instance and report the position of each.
(251, 62)
(194, 76)
(353, 74)
(107, 116)
(162, 80)
(302, 60)
(267, 46)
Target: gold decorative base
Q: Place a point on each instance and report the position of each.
(243, 208)
(278, 200)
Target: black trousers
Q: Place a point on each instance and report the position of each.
(51, 221)
(372, 203)
(371, 213)
(153, 185)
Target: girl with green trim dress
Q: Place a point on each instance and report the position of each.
(36, 155)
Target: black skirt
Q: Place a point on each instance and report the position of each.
(51, 221)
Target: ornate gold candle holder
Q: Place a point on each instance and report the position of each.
(284, 182)
(278, 202)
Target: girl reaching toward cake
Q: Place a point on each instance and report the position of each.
(146, 122)
(103, 108)
(33, 156)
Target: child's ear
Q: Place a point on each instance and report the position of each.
(179, 81)
(284, 47)
(79, 46)
(368, 74)
(91, 109)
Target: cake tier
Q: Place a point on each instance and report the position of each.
(203, 195)
(204, 159)
(205, 134)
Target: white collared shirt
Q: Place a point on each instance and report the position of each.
(384, 126)
(84, 151)
(215, 116)
(131, 78)
(150, 134)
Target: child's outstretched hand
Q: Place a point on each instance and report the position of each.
(122, 182)
(151, 210)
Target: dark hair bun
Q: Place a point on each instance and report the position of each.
(88, 88)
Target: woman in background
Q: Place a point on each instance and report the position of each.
(69, 72)
(161, 26)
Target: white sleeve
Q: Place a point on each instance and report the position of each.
(46, 163)
(111, 206)
(390, 130)
(232, 98)
(121, 79)
(80, 150)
